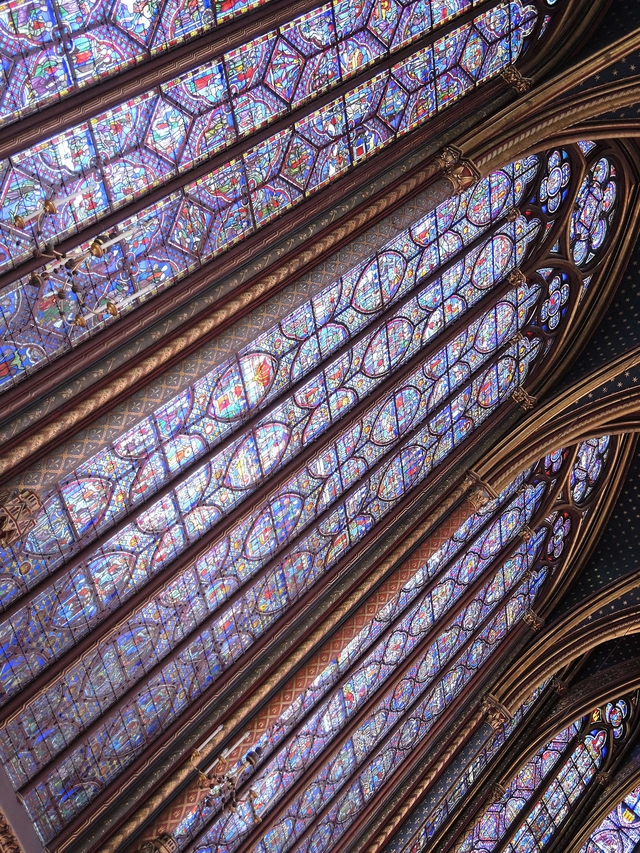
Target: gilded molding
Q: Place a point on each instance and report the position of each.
(8, 841)
(552, 424)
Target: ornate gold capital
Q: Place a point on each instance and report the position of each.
(448, 157)
(513, 214)
(525, 533)
(526, 401)
(495, 712)
(478, 499)
(164, 843)
(558, 685)
(17, 511)
(514, 80)
(516, 277)
(602, 778)
(8, 841)
(533, 620)
(461, 176)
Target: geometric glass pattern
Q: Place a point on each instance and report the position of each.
(155, 140)
(106, 38)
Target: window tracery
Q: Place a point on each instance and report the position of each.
(172, 237)
(537, 801)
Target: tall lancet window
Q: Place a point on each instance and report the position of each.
(118, 195)
(149, 574)
(366, 715)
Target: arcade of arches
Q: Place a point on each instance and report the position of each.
(319, 403)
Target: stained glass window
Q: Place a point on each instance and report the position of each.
(165, 241)
(620, 830)
(393, 312)
(554, 779)
(402, 281)
(103, 39)
(397, 723)
(595, 206)
(447, 804)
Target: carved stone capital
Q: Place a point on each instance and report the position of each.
(481, 485)
(495, 712)
(525, 533)
(461, 176)
(448, 157)
(533, 620)
(497, 792)
(17, 514)
(8, 841)
(478, 499)
(516, 277)
(526, 401)
(514, 80)
(164, 843)
(558, 685)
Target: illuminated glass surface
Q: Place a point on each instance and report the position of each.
(554, 779)
(619, 832)
(76, 735)
(595, 207)
(394, 726)
(174, 236)
(111, 484)
(123, 152)
(466, 779)
(63, 46)
(592, 455)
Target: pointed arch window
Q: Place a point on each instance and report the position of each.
(540, 797)
(100, 166)
(460, 364)
(415, 671)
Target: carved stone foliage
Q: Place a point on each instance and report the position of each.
(514, 80)
(8, 841)
(17, 509)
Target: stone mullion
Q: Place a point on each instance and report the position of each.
(536, 795)
(580, 815)
(453, 829)
(433, 775)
